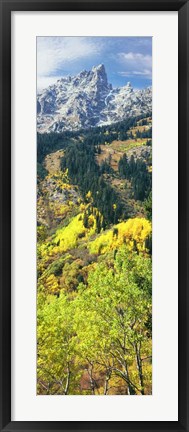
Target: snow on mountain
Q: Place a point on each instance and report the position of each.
(88, 100)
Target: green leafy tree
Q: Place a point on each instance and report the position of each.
(111, 317)
(56, 372)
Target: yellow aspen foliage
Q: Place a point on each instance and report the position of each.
(91, 220)
(89, 196)
(133, 231)
(65, 175)
(67, 237)
(51, 284)
(82, 207)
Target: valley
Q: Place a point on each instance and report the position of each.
(94, 260)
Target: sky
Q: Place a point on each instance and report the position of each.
(125, 59)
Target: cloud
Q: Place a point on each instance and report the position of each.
(45, 81)
(146, 73)
(136, 64)
(54, 53)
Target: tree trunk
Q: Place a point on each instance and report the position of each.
(106, 384)
(139, 367)
(92, 382)
(67, 380)
(130, 388)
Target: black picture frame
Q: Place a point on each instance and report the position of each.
(6, 7)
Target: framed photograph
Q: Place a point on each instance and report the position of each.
(94, 209)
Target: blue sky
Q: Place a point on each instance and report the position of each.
(125, 58)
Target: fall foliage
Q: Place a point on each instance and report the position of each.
(94, 262)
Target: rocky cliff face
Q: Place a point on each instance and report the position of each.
(87, 100)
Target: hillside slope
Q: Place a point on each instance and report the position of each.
(94, 260)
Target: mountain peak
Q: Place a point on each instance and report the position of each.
(99, 76)
(87, 100)
(99, 67)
